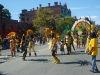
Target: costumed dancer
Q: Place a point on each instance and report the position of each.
(78, 40)
(12, 46)
(22, 42)
(17, 43)
(52, 34)
(83, 40)
(72, 40)
(0, 45)
(31, 45)
(24, 45)
(54, 48)
(67, 40)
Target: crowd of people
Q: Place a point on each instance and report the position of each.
(20, 44)
(88, 42)
(28, 42)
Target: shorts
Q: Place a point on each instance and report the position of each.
(12, 49)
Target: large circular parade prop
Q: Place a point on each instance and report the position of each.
(81, 26)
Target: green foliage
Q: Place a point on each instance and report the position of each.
(65, 22)
(45, 18)
(68, 28)
(6, 14)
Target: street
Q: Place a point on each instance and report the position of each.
(76, 64)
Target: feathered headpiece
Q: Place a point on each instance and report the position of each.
(29, 32)
(92, 27)
(47, 32)
(11, 34)
(68, 28)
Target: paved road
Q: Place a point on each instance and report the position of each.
(76, 64)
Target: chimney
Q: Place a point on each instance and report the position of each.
(33, 9)
(30, 9)
(60, 3)
(49, 4)
(40, 5)
(37, 8)
(56, 3)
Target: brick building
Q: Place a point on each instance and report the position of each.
(27, 16)
(7, 26)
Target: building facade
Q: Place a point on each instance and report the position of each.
(27, 16)
(7, 26)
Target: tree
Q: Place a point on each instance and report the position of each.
(66, 22)
(45, 18)
(6, 14)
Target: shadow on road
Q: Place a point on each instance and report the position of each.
(2, 73)
(78, 53)
(39, 60)
(2, 62)
(43, 56)
(80, 62)
(98, 60)
(4, 59)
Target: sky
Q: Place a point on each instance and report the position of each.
(79, 8)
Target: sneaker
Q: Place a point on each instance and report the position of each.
(93, 71)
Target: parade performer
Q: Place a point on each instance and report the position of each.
(11, 37)
(21, 43)
(67, 40)
(0, 45)
(24, 48)
(54, 51)
(12, 46)
(17, 44)
(54, 47)
(31, 45)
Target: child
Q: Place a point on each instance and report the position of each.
(62, 47)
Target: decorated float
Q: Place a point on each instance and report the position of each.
(81, 26)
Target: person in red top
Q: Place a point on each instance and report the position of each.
(12, 46)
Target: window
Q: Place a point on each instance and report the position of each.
(27, 19)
